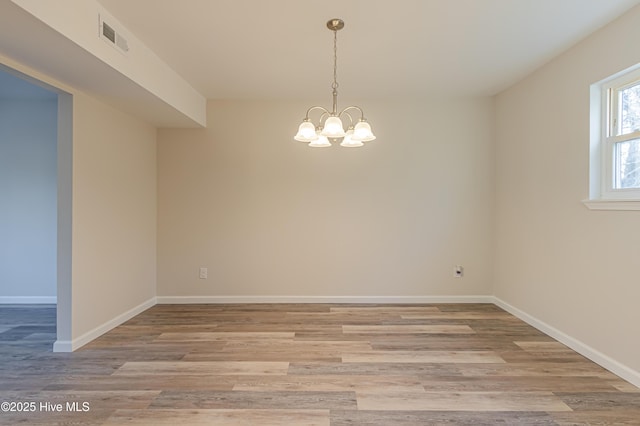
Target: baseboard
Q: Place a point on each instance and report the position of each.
(28, 300)
(587, 351)
(322, 299)
(72, 345)
(599, 358)
(63, 346)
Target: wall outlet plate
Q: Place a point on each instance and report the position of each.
(458, 271)
(204, 273)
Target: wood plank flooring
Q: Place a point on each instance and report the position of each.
(306, 364)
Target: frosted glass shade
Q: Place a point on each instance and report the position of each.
(349, 142)
(333, 128)
(306, 132)
(362, 132)
(320, 142)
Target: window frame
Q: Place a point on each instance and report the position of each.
(603, 195)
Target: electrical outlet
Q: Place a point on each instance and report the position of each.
(204, 273)
(458, 271)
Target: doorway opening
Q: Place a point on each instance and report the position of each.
(35, 192)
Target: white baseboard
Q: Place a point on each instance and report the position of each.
(599, 358)
(165, 300)
(587, 351)
(28, 300)
(72, 345)
(63, 346)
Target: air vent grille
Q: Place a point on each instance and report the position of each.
(109, 34)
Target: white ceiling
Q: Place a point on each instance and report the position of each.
(388, 48)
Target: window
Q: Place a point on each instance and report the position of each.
(615, 143)
(623, 135)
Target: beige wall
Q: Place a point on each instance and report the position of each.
(570, 267)
(114, 213)
(111, 228)
(270, 216)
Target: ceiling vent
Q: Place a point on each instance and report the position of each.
(112, 37)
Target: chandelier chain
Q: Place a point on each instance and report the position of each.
(334, 86)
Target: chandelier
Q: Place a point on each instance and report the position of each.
(329, 125)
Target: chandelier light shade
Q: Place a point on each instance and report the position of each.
(349, 142)
(320, 142)
(363, 132)
(333, 128)
(331, 123)
(306, 132)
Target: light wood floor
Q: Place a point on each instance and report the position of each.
(307, 364)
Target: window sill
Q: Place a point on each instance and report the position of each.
(612, 204)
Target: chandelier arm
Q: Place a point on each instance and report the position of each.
(344, 112)
(354, 107)
(324, 111)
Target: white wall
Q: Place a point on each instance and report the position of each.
(28, 199)
(570, 267)
(270, 216)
